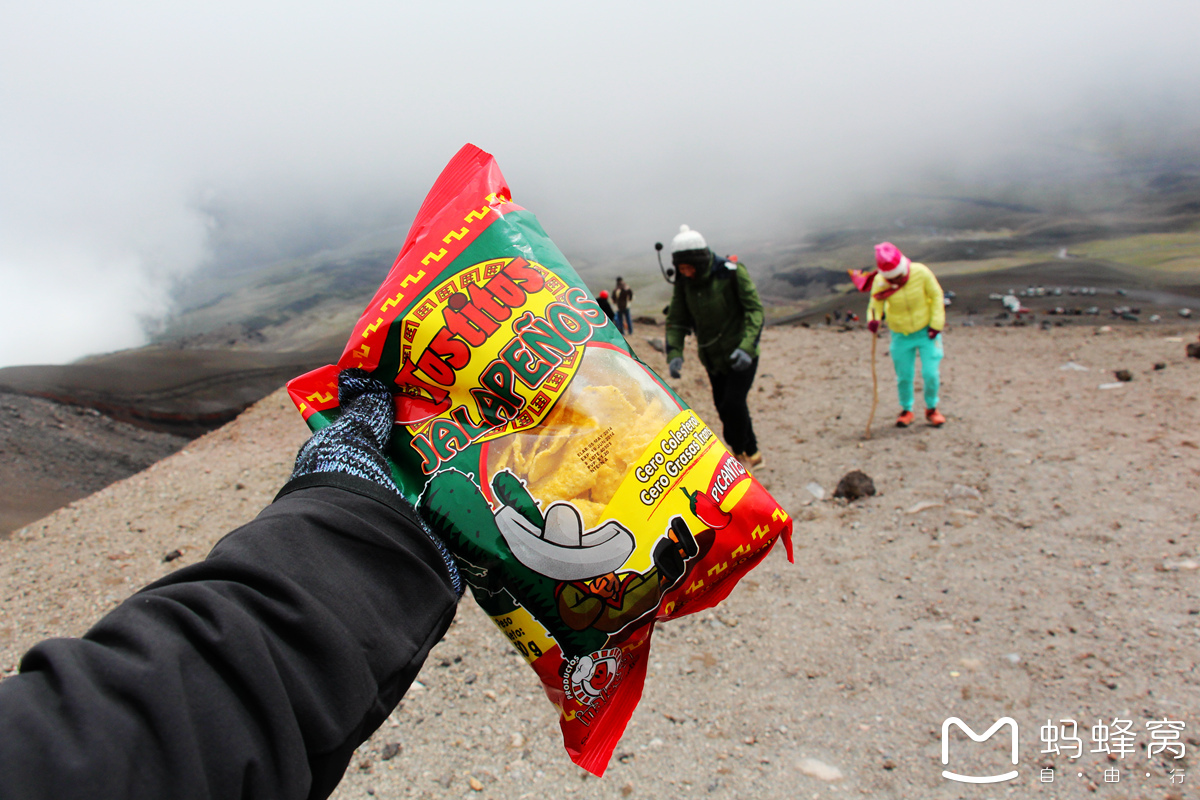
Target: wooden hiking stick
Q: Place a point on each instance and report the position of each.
(874, 386)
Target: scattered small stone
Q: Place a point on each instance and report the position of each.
(391, 750)
(854, 485)
(819, 770)
(1071, 366)
(1117, 385)
(1182, 564)
(1193, 349)
(816, 490)
(239, 486)
(1103, 329)
(516, 741)
(656, 742)
(959, 490)
(1020, 523)
(657, 344)
(924, 505)
(171, 556)
(627, 790)
(1160, 365)
(1123, 375)
(365, 765)
(476, 784)
(889, 764)
(1012, 658)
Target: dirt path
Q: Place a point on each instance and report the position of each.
(1036, 558)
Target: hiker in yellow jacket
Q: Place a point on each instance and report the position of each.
(910, 298)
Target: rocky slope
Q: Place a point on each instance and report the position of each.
(51, 454)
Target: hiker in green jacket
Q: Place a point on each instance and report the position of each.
(716, 298)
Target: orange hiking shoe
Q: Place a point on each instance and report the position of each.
(752, 460)
(905, 419)
(934, 417)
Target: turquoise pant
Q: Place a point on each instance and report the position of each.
(905, 347)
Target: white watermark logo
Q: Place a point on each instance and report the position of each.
(965, 728)
(1115, 740)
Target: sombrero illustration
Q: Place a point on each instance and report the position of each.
(561, 549)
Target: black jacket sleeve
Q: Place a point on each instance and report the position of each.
(255, 673)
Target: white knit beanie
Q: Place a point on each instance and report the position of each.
(688, 239)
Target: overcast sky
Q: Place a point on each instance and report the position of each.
(139, 141)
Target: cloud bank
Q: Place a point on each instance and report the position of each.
(142, 142)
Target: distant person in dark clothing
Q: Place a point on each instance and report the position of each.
(716, 298)
(257, 672)
(623, 296)
(605, 306)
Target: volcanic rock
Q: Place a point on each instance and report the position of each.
(855, 484)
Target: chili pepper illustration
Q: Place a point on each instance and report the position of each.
(706, 509)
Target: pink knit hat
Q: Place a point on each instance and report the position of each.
(890, 261)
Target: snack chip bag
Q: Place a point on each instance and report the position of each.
(582, 499)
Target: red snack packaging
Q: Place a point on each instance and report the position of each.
(582, 499)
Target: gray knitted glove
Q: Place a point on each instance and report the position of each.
(676, 366)
(354, 443)
(740, 360)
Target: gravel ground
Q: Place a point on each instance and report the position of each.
(1035, 558)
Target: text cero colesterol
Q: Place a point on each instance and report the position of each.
(675, 452)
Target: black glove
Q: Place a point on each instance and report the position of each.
(354, 443)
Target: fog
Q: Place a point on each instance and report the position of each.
(141, 142)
